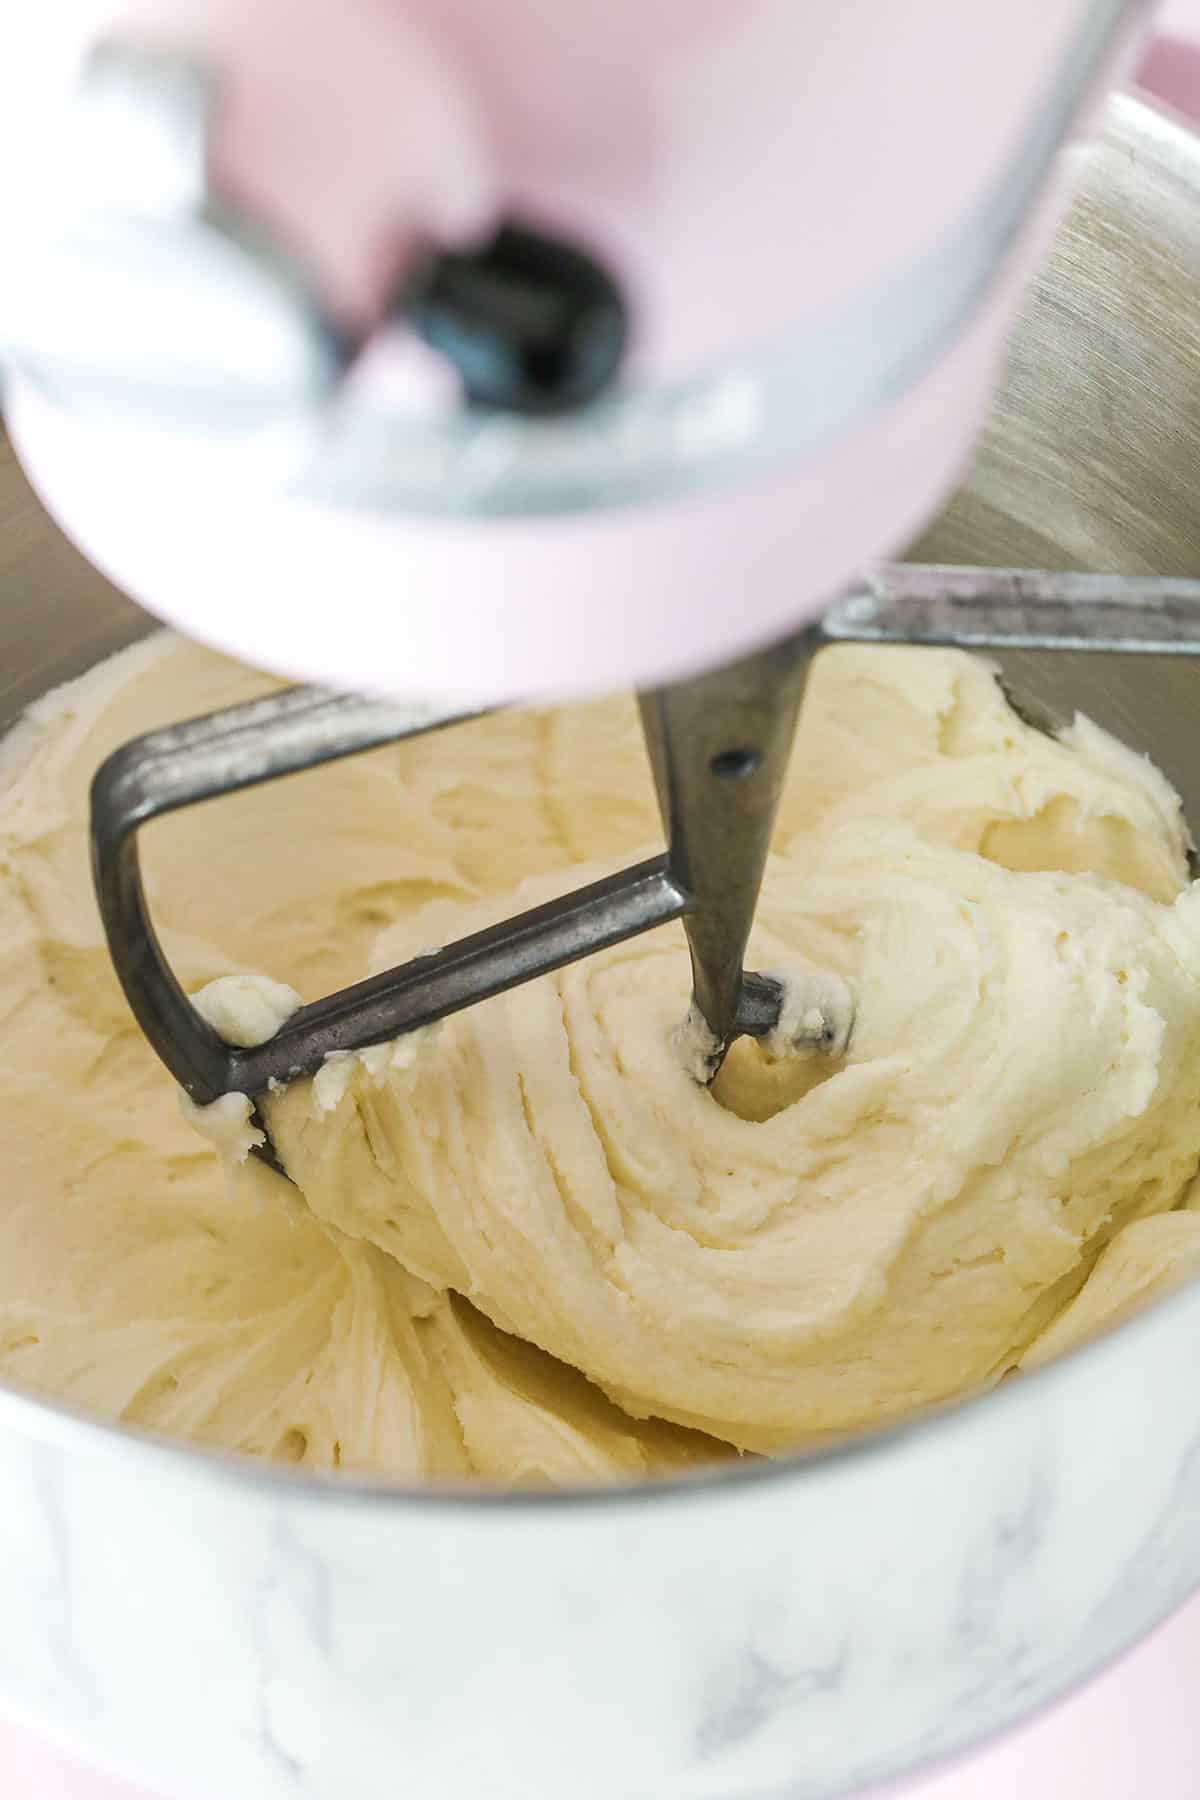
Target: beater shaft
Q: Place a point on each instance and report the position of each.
(719, 747)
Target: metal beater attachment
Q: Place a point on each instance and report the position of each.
(719, 746)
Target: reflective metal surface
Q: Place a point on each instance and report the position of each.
(57, 614)
(969, 608)
(1092, 455)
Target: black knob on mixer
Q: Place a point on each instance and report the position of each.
(532, 325)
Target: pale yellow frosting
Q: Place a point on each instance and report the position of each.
(536, 1203)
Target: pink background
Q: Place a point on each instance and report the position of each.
(1135, 1730)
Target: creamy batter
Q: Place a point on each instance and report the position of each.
(529, 1247)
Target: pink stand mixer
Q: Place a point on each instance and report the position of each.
(580, 405)
(450, 358)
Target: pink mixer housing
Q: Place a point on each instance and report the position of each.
(748, 167)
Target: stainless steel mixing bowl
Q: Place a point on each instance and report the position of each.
(791, 1630)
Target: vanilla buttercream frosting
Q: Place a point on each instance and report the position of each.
(531, 1247)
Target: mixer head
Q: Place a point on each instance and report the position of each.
(682, 348)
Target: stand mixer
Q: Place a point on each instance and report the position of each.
(101, 498)
(731, 418)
